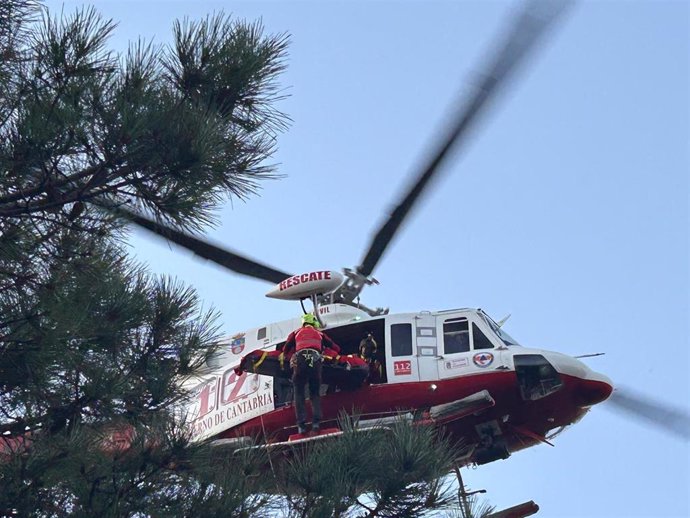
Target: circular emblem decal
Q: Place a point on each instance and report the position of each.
(483, 359)
(237, 343)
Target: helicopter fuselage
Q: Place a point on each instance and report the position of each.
(431, 365)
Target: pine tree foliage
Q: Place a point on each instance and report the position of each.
(175, 129)
(375, 473)
(475, 508)
(93, 350)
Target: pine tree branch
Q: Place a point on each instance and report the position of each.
(40, 189)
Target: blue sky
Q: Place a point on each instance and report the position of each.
(568, 207)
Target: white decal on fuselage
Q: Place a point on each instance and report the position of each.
(229, 400)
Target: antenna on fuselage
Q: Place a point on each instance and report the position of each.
(503, 320)
(591, 355)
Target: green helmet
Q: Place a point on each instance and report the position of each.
(310, 320)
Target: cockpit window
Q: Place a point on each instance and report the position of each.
(480, 339)
(456, 336)
(505, 337)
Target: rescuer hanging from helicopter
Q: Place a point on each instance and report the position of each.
(308, 344)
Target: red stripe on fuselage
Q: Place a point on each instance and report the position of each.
(561, 408)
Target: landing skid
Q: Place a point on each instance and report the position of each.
(298, 440)
(438, 415)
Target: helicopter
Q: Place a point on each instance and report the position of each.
(457, 368)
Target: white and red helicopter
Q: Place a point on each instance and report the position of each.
(456, 369)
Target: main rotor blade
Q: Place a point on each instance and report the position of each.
(525, 32)
(668, 419)
(209, 251)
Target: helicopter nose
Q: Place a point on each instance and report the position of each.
(594, 389)
(590, 387)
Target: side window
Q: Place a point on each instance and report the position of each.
(401, 339)
(261, 334)
(456, 336)
(480, 339)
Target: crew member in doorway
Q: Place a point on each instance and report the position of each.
(367, 351)
(308, 344)
(368, 348)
